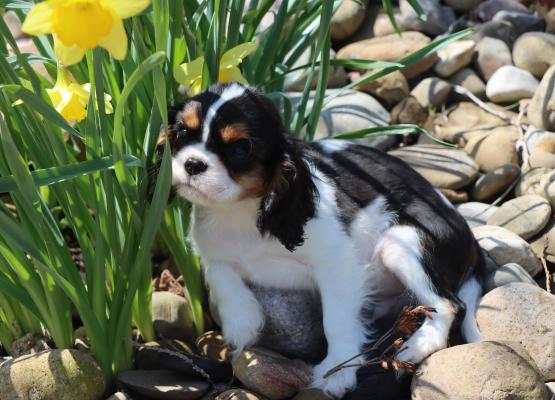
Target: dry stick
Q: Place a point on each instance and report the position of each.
(544, 264)
(517, 122)
(461, 90)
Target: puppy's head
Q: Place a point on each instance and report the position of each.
(228, 144)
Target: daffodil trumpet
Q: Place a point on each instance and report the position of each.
(70, 99)
(81, 25)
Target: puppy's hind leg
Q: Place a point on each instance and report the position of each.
(400, 252)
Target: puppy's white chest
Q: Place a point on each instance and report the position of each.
(233, 239)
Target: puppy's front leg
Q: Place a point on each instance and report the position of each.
(240, 313)
(341, 283)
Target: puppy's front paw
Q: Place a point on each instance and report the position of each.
(337, 384)
(241, 330)
(423, 342)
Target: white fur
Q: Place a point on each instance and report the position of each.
(332, 145)
(470, 293)
(212, 186)
(231, 92)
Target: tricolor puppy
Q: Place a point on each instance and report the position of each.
(358, 225)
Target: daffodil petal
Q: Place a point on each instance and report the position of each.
(70, 107)
(39, 20)
(115, 41)
(231, 74)
(107, 98)
(68, 55)
(55, 96)
(108, 108)
(81, 93)
(127, 8)
(188, 72)
(235, 55)
(195, 87)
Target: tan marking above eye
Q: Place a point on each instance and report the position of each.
(233, 132)
(190, 116)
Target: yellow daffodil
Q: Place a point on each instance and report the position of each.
(80, 25)
(190, 74)
(70, 99)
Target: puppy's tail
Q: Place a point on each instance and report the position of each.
(470, 293)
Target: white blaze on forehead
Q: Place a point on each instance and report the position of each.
(229, 93)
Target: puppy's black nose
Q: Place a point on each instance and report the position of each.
(194, 166)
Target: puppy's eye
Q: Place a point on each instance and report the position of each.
(180, 134)
(239, 149)
(181, 131)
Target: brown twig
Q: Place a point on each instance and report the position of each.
(406, 324)
(544, 264)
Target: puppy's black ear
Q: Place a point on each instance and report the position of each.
(290, 200)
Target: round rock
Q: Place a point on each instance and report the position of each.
(529, 182)
(238, 394)
(547, 182)
(296, 80)
(271, 374)
(438, 17)
(495, 182)
(52, 374)
(391, 48)
(525, 215)
(502, 30)
(489, 8)
(162, 385)
(522, 21)
(523, 313)
(508, 273)
(510, 84)
(431, 92)
(535, 52)
(483, 370)
(504, 246)
(466, 120)
(492, 55)
(476, 213)
(443, 167)
(391, 89)
(172, 317)
(453, 57)
(409, 111)
(541, 148)
(541, 111)
(469, 80)
(495, 148)
(292, 322)
(544, 243)
(350, 111)
(347, 19)
(212, 345)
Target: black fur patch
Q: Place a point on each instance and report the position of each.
(291, 201)
(361, 174)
